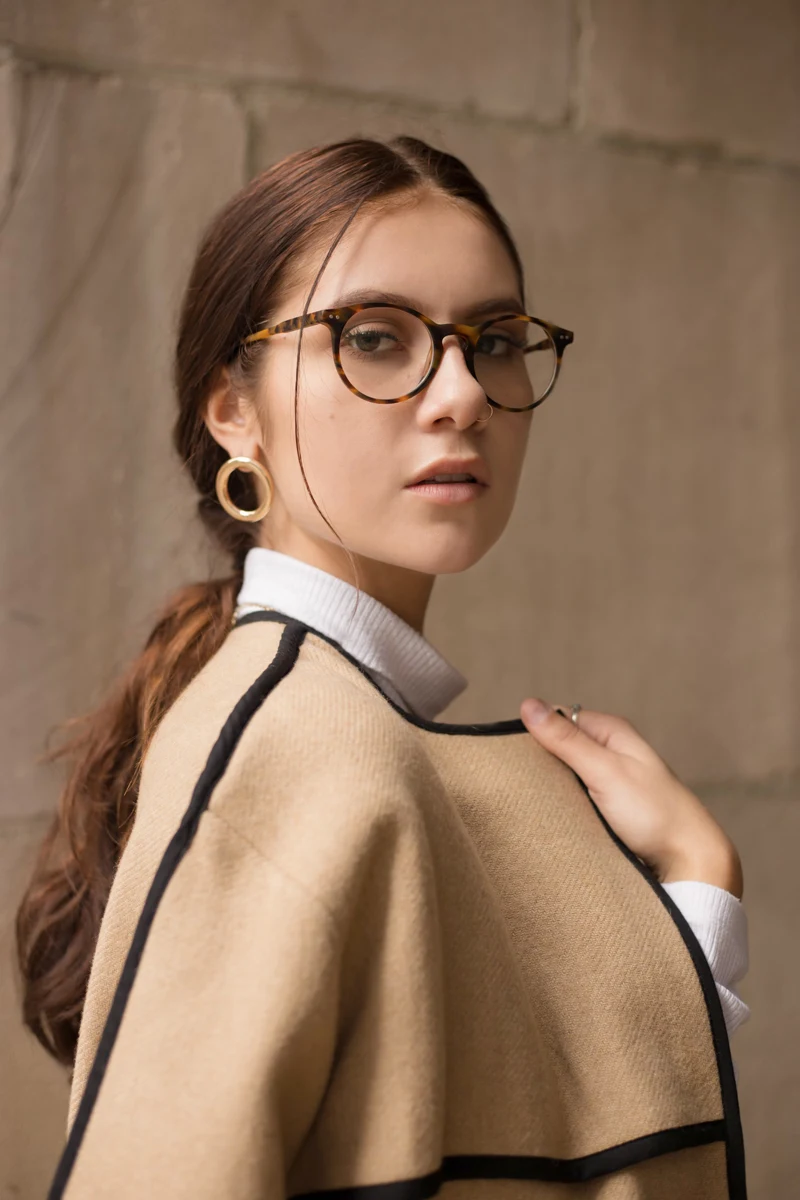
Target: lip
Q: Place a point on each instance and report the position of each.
(453, 466)
(448, 493)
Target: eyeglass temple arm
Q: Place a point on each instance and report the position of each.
(291, 325)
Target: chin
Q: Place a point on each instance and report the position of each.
(450, 554)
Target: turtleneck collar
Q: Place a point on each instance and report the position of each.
(400, 659)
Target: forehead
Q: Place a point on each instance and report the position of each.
(441, 255)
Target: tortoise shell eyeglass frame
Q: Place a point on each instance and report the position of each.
(336, 319)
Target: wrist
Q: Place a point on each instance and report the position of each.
(720, 867)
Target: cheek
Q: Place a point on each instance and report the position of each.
(320, 393)
(511, 442)
(346, 442)
(353, 450)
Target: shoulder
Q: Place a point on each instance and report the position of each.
(299, 754)
(322, 729)
(317, 776)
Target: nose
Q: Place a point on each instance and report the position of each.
(454, 391)
(453, 339)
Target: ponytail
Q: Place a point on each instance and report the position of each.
(59, 917)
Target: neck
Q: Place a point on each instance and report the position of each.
(405, 592)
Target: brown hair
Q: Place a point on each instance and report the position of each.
(246, 256)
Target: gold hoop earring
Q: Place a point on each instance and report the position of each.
(242, 463)
(481, 420)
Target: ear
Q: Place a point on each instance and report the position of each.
(231, 418)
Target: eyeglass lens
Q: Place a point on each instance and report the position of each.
(385, 353)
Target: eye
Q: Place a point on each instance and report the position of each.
(370, 341)
(498, 345)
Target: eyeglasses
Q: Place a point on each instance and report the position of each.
(387, 353)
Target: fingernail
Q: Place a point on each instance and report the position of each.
(535, 710)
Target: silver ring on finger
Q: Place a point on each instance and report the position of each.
(573, 714)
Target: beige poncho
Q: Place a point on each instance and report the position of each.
(354, 953)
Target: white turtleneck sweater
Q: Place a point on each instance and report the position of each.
(416, 676)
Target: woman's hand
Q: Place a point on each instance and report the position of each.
(645, 804)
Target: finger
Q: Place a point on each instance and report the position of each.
(614, 732)
(567, 741)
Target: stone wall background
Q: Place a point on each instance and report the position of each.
(647, 156)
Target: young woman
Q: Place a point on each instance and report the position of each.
(297, 936)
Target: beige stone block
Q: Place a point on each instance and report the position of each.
(8, 13)
(9, 123)
(724, 72)
(650, 565)
(513, 59)
(115, 182)
(284, 121)
(34, 1089)
(764, 821)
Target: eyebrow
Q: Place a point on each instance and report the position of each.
(499, 304)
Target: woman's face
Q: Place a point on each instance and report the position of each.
(440, 258)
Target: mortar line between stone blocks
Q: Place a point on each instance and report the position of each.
(582, 34)
(700, 153)
(11, 825)
(784, 785)
(239, 97)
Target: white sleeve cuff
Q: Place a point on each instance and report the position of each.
(719, 922)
